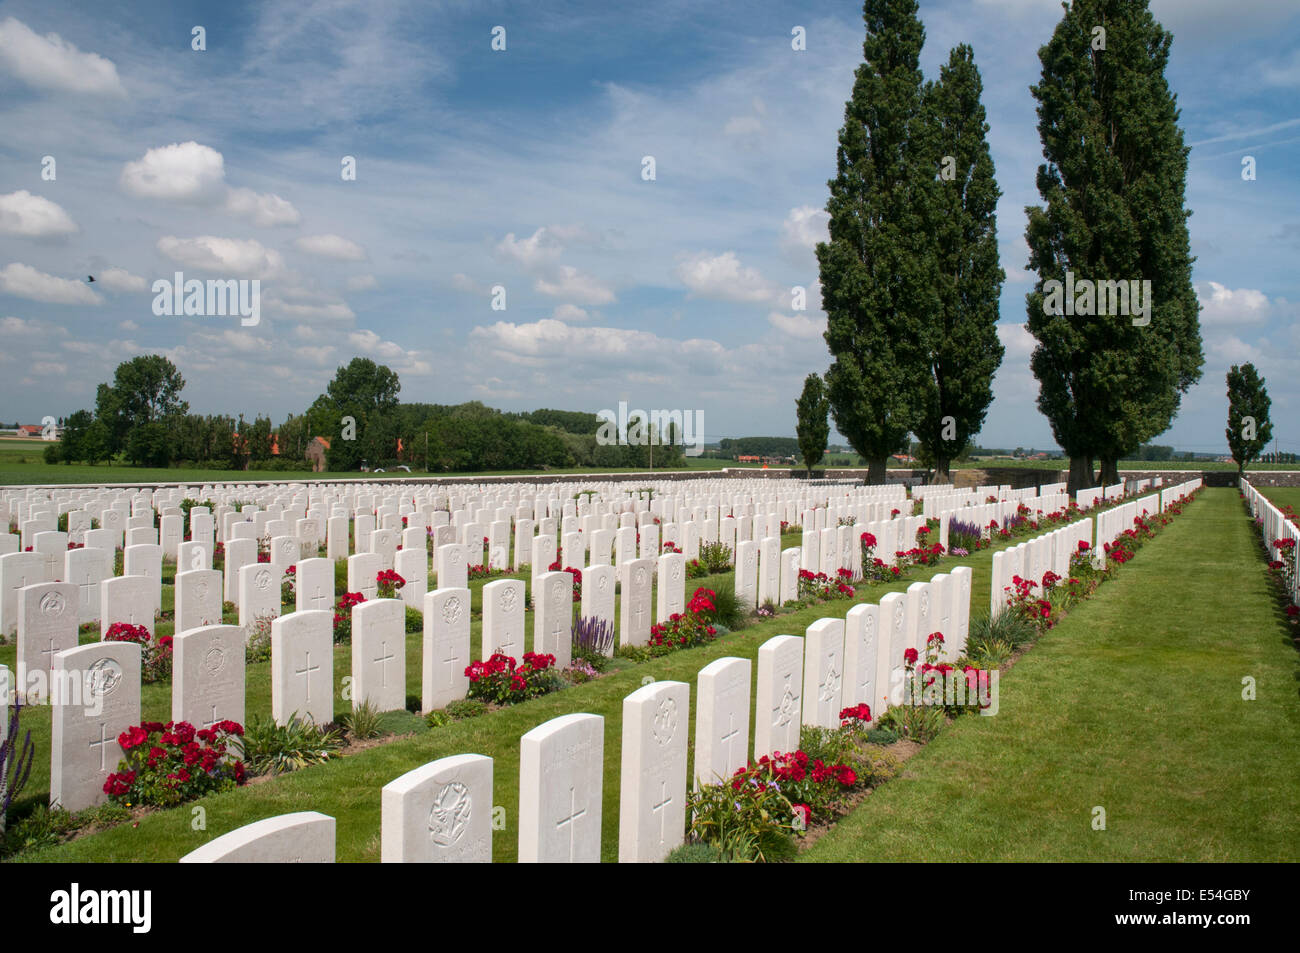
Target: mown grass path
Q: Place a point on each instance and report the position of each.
(1133, 704)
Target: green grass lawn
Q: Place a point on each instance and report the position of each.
(1133, 704)
(349, 788)
(1282, 495)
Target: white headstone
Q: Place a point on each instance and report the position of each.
(823, 678)
(198, 598)
(634, 606)
(560, 769)
(208, 675)
(379, 654)
(96, 697)
(598, 593)
(780, 690)
(553, 616)
(313, 585)
(126, 599)
(302, 666)
(722, 720)
(47, 625)
(446, 648)
(652, 799)
(440, 813)
(503, 618)
(306, 837)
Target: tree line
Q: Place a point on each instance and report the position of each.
(139, 418)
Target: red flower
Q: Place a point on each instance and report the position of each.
(909, 656)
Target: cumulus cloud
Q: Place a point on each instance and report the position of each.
(803, 228)
(194, 173)
(1223, 305)
(1017, 340)
(51, 62)
(798, 325)
(362, 283)
(331, 246)
(33, 216)
(571, 283)
(26, 282)
(182, 171)
(265, 210)
(538, 250)
(247, 258)
(119, 279)
(367, 342)
(722, 277)
(605, 352)
(570, 312)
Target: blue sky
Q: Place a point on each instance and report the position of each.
(522, 169)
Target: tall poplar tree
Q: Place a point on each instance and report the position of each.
(960, 338)
(811, 425)
(1114, 184)
(1249, 428)
(877, 270)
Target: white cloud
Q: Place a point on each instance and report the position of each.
(721, 277)
(570, 312)
(1223, 305)
(51, 62)
(26, 282)
(128, 326)
(797, 325)
(305, 304)
(33, 216)
(182, 171)
(265, 210)
(11, 326)
(571, 283)
(612, 350)
(119, 279)
(538, 250)
(370, 344)
(804, 227)
(1019, 343)
(247, 258)
(362, 283)
(331, 246)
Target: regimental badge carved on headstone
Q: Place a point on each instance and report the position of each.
(451, 609)
(786, 710)
(103, 677)
(53, 603)
(664, 726)
(450, 815)
(214, 660)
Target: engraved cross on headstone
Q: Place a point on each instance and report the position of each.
(306, 673)
(101, 744)
(571, 820)
(726, 739)
(384, 660)
(660, 809)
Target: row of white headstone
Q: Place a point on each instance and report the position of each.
(1032, 559)
(1275, 526)
(443, 811)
